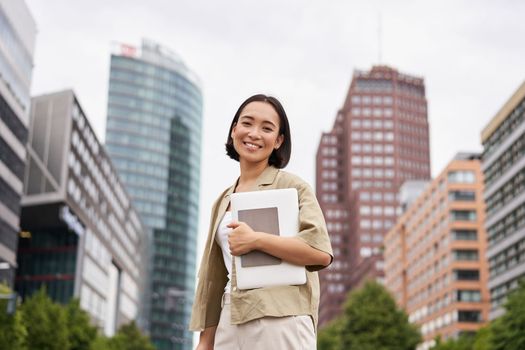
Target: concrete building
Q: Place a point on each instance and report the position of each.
(17, 42)
(435, 262)
(378, 141)
(503, 142)
(153, 136)
(81, 236)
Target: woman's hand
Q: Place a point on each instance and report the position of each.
(242, 239)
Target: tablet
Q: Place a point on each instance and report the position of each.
(274, 212)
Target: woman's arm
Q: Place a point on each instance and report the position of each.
(207, 338)
(243, 240)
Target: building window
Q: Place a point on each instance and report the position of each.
(464, 196)
(465, 235)
(461, 176)
(469, 316)
(472, 296)
(465, 255)
(463, 215)
(466, 275)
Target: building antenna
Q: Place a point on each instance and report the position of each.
(379, 38)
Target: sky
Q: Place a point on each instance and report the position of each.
(471, 55)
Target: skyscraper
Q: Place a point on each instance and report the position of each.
(435, 262)
(378, 141)
(504, 167)
(153, 136)
(17, 42)
(81, 236)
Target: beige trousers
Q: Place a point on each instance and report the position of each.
(275, 333)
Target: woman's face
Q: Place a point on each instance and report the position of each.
(256, 133)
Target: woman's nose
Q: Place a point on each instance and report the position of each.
(254, 133)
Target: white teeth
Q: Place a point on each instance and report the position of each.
(251, 145)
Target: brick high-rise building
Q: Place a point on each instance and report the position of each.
(378, 141)
(435, 263)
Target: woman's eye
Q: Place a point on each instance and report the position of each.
(246, 124)
(268, 129)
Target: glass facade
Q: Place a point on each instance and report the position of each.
(504, 170)
(153, 136)
(17, 35)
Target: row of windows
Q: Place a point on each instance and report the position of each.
(14, 123)
(155, 71)
(371, 184)
(507, 259)
(378, 210)
(11, 159)
(375, 136)
(507, 225)
(511, 155)
(510, 190)
(369, 124)
(376, 224)
(377, 100)
(369, 160)
(376, 173)
(372, 148)
(504, 130)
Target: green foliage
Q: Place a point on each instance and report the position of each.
(465, 342)
(483, 339)
(13, 333)
(81, 332)
(328, 337)
(508, 332)
(41, 324)
(46, 323)
(372, 321)
(129, 337)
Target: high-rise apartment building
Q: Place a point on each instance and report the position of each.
(153, 136)
(81, 236)
(17, 42)
(503, 159)
(435, 263)
(378, 141)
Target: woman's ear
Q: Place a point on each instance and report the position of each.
(233, 129)
(279, 142)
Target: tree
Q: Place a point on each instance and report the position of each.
(13, 333)
(129, 337)
(464, 342)
(328, 337)
(46, 323)
(372, 321)
(80, 332)
(508, 331)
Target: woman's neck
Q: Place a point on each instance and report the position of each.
(249, 174)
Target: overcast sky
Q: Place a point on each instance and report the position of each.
(470, 53)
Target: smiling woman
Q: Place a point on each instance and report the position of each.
(283, 317)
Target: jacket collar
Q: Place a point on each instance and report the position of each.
(267, 177)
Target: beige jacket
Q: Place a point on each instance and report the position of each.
(247, 305)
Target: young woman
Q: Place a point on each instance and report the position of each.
(283, 317)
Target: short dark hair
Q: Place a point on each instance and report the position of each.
(279, 157)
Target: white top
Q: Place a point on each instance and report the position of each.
(222, 239)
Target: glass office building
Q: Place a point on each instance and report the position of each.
(17, 42)
(153, 136)
(81, 236)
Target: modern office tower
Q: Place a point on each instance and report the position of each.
(154, 139)
(17, 42)
(504, 167)
(435, 263)
(81, 236)
(378, 141)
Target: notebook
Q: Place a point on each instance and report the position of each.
(275, 212)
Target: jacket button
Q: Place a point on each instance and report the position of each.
(234, 289)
